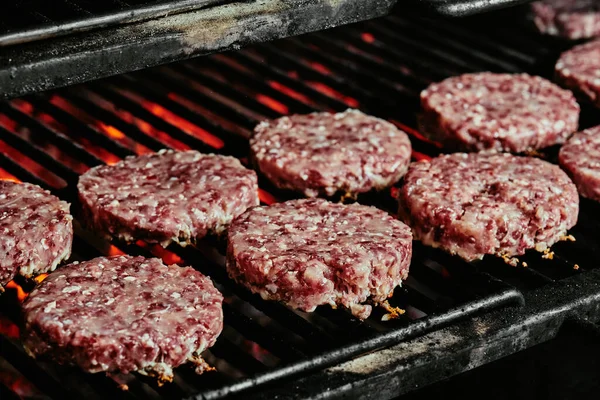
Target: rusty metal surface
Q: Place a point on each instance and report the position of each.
(73, 59)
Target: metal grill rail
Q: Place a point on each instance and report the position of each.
(28, 20)
(212, 105)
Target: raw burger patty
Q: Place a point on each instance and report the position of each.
(323, 153)
(166, 197)
(311, 252)
(580, 157)
(504, 112)
(477, 204)
(36, 231)
(579, 70)
(572, 19)
(124, 314)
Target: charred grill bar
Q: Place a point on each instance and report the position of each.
(459, 315)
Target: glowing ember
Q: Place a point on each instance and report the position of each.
(266, 197)
(21, 294)
(111, 131)
(272, 104)
(5, 176)
(139, 123)
(8, 328)
(420, 156)
(30, 110)
(367, 37)
(289, 92)
(40, 278)
(184, 124)
(326, 90)
(7, 123)
(32, 166)
(167, 256)
(115, 251)
(320, 68)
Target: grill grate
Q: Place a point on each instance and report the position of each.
(212, 104)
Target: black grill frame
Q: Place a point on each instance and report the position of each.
(516, 307)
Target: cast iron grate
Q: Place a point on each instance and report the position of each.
(212, 104)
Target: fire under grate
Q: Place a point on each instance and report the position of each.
(212, 104)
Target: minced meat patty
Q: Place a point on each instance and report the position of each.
(36, 231)
(505, 112)
(579, 70)
(580, 157)
(477, 204)
(323, 153)
(167, 196)
(572, 19)
(311, 252)
(124, 314)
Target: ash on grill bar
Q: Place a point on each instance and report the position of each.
(86, 83)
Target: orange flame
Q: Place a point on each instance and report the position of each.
(21, 294)
(167, 256)
(111, 131)
(115, 251)
(5, 176)
(40, 278)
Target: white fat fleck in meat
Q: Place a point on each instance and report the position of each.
(335, 254)
(324, 153)
(150, 328)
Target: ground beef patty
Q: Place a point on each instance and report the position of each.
(36, 231)
(580, 157)
(324, 153)
(311, 252)
(124, 314)
(579, 70)
(572, 19)
(504, 112)
(477, 204)
(167, 197)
